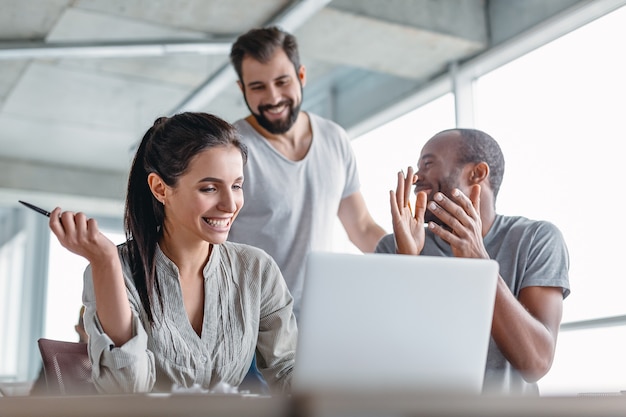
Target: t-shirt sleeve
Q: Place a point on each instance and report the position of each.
(548, 259)
(387, 244)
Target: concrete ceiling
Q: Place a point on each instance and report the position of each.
(69, 115)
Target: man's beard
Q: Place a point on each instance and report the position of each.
(430, 217)
(278, 127)
(445, 186)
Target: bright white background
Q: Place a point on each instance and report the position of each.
(65, 288)
(558, 114)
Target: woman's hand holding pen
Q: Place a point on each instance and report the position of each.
(81, 235)
(408, 228)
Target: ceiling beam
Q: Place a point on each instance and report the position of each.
(290, 19)
(131, 49)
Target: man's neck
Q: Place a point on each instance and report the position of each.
(487, 212)
(293, 144)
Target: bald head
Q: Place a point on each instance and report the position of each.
(474, 146)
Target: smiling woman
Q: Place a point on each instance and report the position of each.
(159, 302)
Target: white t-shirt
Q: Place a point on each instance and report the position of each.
(290, 206)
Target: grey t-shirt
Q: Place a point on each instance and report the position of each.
(530, 253)
(291, 206)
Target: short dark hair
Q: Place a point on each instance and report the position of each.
(260, 44)
(477, 146)
(166, 149)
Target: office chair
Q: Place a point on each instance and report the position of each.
(67, 367)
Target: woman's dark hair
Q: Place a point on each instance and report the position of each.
(166, 149)
(260, 44)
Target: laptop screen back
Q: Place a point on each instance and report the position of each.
(394, 322)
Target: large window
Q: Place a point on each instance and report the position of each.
(65, 285)
(22, 288)
(558, 114)
(384, 151)
(12, 260)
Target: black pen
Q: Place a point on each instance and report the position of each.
(37, 209)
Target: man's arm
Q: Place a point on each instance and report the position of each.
(361, 228)
(526, 330)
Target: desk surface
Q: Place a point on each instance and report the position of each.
(143, 405)
(313, 406)
(461, 406)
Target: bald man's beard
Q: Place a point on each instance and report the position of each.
(445, 186)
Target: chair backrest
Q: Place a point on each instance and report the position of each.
(67, 367)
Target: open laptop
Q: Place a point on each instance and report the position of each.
(376, 322)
